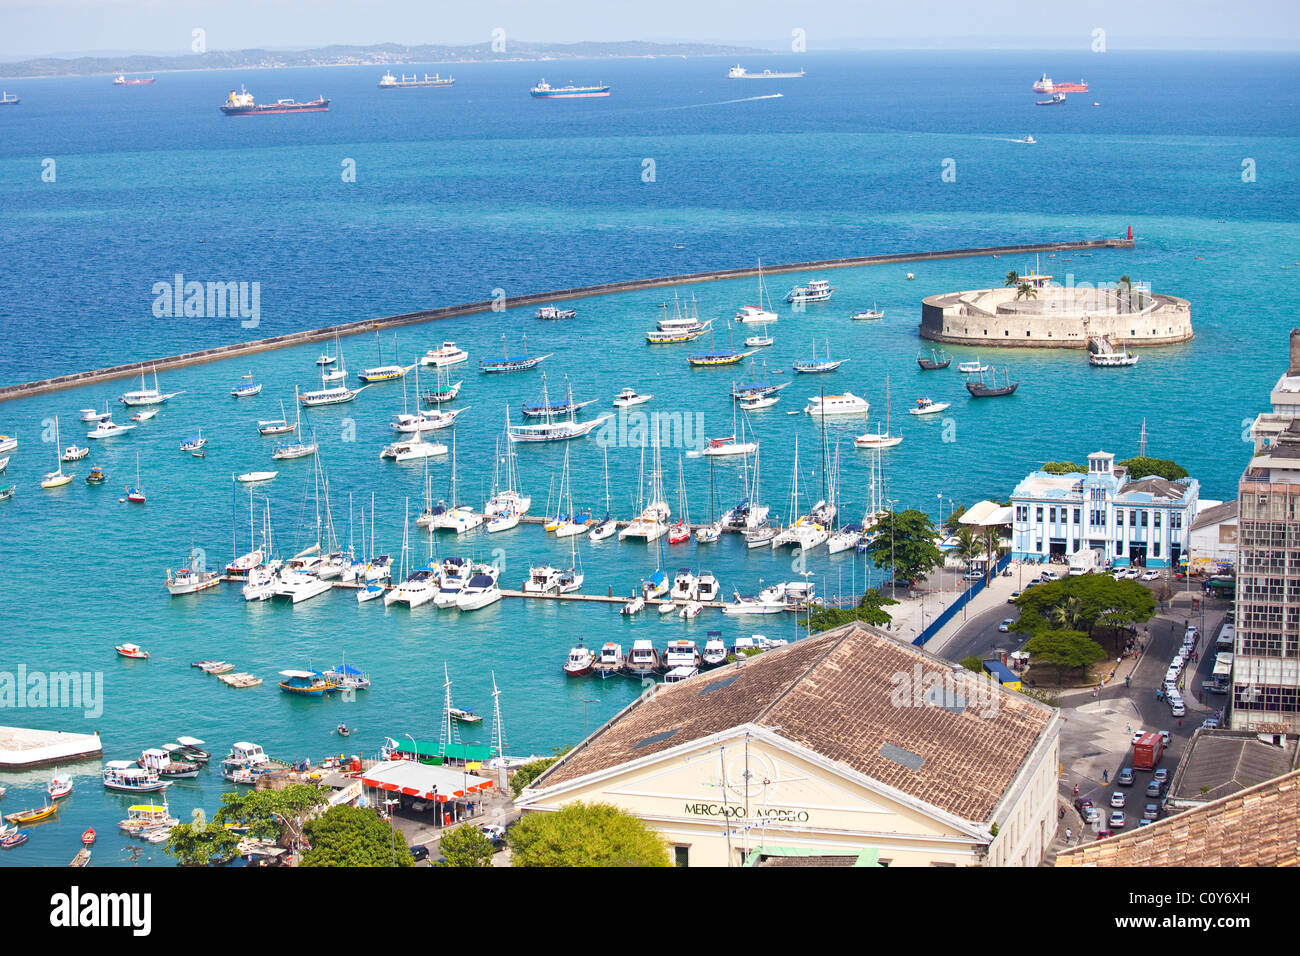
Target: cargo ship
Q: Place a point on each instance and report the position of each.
(121, 80)
(1045, 85)
(544, 90)
(241, 104)
(740, 73)
(390, 82)
(7, 100)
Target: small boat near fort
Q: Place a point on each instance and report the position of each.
(980, 389)
(935, 360)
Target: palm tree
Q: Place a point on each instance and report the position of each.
(1026, 291)
(1065, 616)
(969, 546)
(1013, 278)
(1124, 292)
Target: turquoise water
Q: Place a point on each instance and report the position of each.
(445, 213)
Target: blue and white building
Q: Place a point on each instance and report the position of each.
(1124, 520)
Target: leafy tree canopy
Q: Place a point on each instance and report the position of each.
(352, 836)
(1064, 650)
(585, 834)
(263, 811)
(1084, 602)
(466, 845)
(1064, 468)
(201, 844)
(530, 771)
(904, 542)
(1160, 467)
(870, 610)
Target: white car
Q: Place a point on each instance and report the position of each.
(1151, 576)
(1049, 576)
(1005, 626)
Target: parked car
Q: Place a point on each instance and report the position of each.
(1210, 723)
(1006, 625)
(1049, 576)
(1155, 788)
(1177, 708)
(1151, 576)
(1125, 777)
(1117, 819)
(419, 852)
(1162, 775)
(1151, 812)
(1117, 799)
(1014, 595)
(974, 575)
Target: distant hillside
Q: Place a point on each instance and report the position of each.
(377, 55)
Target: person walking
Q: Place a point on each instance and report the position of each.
(1069, 835)
(1105, 776)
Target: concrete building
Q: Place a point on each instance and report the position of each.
(1266, 663)
(1125, 521)
(1055, 316)
(846, 747)
(1214, 536)
(1219, 763)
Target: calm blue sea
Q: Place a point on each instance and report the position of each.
(459, 192)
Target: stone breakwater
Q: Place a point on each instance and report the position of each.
(1063, 317)
(471, 308)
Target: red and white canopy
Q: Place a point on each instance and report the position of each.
(438, 784)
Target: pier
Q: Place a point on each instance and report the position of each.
(77, 379)
(22, 748)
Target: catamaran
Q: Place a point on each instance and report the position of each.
(147, 396)
(809, 530)
(761, 313)
(823, 406)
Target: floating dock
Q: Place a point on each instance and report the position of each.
(22, 748)
(493, 306)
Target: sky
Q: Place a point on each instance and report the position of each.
(31, 28)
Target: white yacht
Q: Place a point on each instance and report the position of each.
(412, 448)
(145, 395)
(542, 580)
(420, 587)
(707, 587)
(107, 428)
(425, 421)
(480, 590)
(761, 313)
(629, 397)
(298, 586)
(825, 406)
(446, 354)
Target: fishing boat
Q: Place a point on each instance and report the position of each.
(972, 368)
(512, 363)
(147, 396)
(935, 360)
(817, 290)
(94, 415)
(107, 428)
(194, 442)
(133, 651)
(925, 406)
(160, 762)
(610, 660)
(629, 397)
(552, 313)
(878, 438)
(190, 581)
(82, 859)
(134, 493)
(815, 365)
(37, 815)
(981, 389)
(88, 837)
(868, 314)
(96, 476)
(579, 661)
(17, 838)
(247, 388)
(643, 660)
(306, 683)
(1112, 359)
(826, 406)
(681, 653)
(75, 453)
(125, 776)
(449, 353)
(761, 313)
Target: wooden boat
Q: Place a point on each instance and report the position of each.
(96, 476)
(59, 787)
(14, 839)
(88, 838)
(512, 363)
(306, 683)
(813, 365)
(7, 493)
(36, 815)
(979, 389)
(343, 730)
(81, 859)
(935, 361)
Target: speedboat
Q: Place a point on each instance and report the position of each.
(629, 397)
(107, 428)
(480, 590)
(134, 651)
(715, 651)
(254, 477)
(753, 402)
(826, 406)
(924, 406)
(579, 662)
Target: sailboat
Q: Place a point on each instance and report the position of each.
(246, 388)
(147, 396)
(570, 523)
(813, 365)
(444, 389)
(748, 515)
(408, 423)
(731, 445)
(56, 478)
(608, 526)
(761, 313)
(708, 533)
(458, 517)
(339, 374)
(295, 449)
(507, 505)
(652, 520)
(553, 429)
(681, 531)
(382, 372)
(135, 494)
(509, 363)
(714, 357)
(879, 439)
(806, 531)
(240, 566)
(278, 426)
(570, 579)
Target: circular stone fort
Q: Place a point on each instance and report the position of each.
(1037, 314)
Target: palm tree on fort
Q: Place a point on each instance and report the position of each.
(1124, 292)
(1026, 291)
(1013, 278)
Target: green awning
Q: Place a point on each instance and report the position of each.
(430, 752)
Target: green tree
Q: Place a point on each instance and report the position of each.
(201, 844)
(870, 609)
(953, 521)
(1064, 468)
(264, 812)
(1160, 467)
(1064, 650)
(904, 543)
(527, 773)
(972, 662)
(352, 836)
(1096, 604)
(1026, 291)
(969, 546)
(466, 845)
(1013, 279)
(585, 834)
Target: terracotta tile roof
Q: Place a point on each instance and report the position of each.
(836, 694)
(1224, 762)
(1256, 827)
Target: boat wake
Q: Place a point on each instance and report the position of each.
(743, 99)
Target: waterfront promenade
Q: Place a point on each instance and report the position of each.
(490, 305)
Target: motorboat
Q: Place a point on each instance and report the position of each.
(635, 606)
(194, 442)
(96, 476)
(681, 653)
(552, 313)
(125, 776)
(480, 590)
(706, 587)
(144, 414)
(75, 453)
(868, 314)
(256, 477)
(817, 290)
(95, 415)
(542, 580)
(972, 368)
(629, 397)
(771, 600)
(412, 449)
(610, 661)
(690, 609)
(826, 406)
(449, 353)
(1112, 359)
(59, 786)
(684, 586)
(715, 651)
(107, 428)
(160, 762)
(307, 683)
(643, 660)
(924, 406)
(190, 581)
(133, 651)
(579, 661)
(755, 402)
